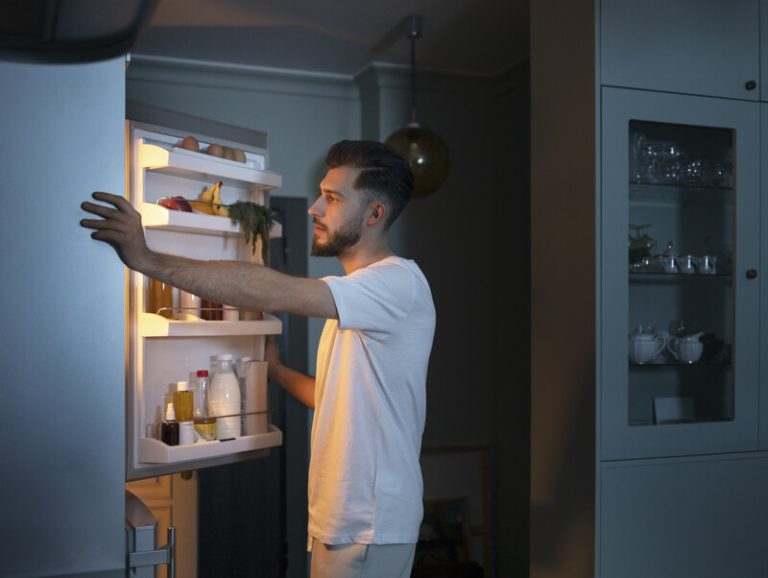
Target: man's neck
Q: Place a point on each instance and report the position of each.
(360, 257)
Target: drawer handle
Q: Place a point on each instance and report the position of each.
(750, 85)
(751, 273)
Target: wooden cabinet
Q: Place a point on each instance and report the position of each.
(648, 466)
(705, 517)
(686, 170)
(705, 47)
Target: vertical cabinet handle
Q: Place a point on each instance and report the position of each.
(751, 273)
(750, 85)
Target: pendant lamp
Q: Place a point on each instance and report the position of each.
(424, 150)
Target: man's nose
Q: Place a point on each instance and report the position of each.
(316, 208)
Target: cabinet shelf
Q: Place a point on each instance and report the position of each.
(153, 325)
(678, 185)
(656, 277)
(157, 217)
(156, 452)
(668, 364)
(190, 164)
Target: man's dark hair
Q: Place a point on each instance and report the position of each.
(384, 173)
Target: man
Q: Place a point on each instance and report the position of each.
(369, 392)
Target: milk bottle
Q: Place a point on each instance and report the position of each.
(224, 399)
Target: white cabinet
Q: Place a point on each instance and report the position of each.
(162, 351)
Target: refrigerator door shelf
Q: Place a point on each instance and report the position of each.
(156, 452)
(152, 325)
(158, 217)
(190, 164)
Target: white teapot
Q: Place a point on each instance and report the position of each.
(643, 347)
(687, 349)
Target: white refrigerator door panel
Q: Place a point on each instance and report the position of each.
(62, 402)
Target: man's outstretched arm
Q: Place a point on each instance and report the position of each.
(299, 385)
(236, 283)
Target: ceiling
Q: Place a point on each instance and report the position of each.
(482, 37)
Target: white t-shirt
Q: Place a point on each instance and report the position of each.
(365, 481)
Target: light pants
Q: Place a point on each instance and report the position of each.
(361, 560)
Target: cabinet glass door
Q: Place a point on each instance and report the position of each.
(681, 222)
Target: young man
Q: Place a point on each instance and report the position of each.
(369, 392)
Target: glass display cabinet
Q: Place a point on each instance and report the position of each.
(680, 295)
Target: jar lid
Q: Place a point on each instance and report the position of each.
(182, 386)
(202, 373)
(224, 357)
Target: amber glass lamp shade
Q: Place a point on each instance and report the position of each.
(426, 153)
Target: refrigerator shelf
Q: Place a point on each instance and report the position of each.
(156, 452)
(158, 217)
(152, 325)
(183, 163)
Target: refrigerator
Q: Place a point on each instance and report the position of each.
(85, 367)
(62, 363)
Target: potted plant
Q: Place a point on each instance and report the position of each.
(640, 243)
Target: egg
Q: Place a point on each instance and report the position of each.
(229, 153)
(190, 143)
(239, 155)
(215, 150)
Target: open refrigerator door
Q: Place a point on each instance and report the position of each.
(169, 342)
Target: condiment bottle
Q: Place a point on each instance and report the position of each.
(160, 298)
(183, 404)
(190, 304)
(183, 401)
(224, 399)
(169, 432)
(205, 424)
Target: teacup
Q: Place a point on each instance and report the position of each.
(707, 264)
(686, 264)
(643, 347)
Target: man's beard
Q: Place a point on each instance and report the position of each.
(338, 242)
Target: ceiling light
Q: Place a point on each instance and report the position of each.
(424, 150)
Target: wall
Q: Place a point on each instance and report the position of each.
(511, 304)
(62, 396)
(563, 294)
(465, 236)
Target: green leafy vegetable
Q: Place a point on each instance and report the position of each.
(254, 221)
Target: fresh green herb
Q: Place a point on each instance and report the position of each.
(640, 239)
(254, 221)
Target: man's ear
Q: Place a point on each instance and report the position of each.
(376, 213)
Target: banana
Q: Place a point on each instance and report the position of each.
(209, 201)
(219, 208)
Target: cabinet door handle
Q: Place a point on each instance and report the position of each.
(750, 85)
(751, 273)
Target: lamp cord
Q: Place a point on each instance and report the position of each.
(413, 77)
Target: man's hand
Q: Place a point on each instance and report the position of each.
(119, 226)
(272, 355)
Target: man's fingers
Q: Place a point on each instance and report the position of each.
(101, 210)
(107, 236)
(121, 204)
(100, 224)
(116, 200)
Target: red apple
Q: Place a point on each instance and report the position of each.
(175, 204)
